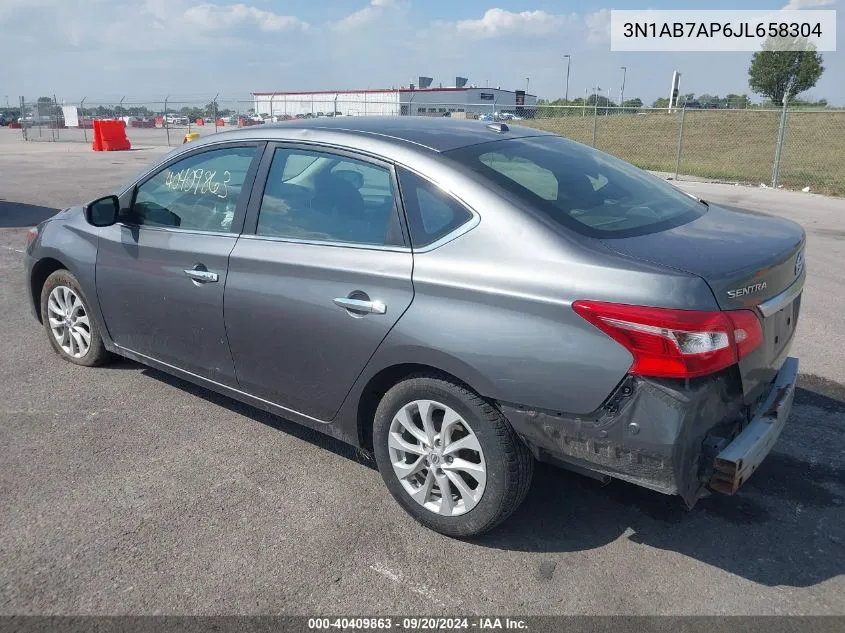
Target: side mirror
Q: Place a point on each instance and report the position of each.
(103, 211)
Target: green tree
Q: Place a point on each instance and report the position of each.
(707, 100)
(44, 106)
(736, 101)
(662, 102)
(191, 112)
(212, 109)
(141, 111)
(775, 72)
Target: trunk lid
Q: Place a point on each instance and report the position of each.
(750, 261)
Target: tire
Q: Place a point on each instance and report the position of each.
(479, 501)
(68, 294)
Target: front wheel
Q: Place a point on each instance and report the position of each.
(448, 457)
(70, 326)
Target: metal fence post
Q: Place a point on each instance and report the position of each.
(595, 117)
(680, 143)
(55, 118)
(779, 146)
(166, 126)
(23, 120)
(82, 118)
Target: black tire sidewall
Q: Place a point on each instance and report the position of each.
(96, 350)
(488, 511)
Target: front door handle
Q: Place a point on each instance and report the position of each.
(361, 306)
(201, 276)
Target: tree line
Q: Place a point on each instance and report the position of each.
(773, 73)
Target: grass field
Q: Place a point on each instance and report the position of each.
(736, 145)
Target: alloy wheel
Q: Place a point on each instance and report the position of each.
(437, 457)
(69, 321)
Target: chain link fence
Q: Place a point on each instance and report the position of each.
(728, 145)
(792, 148)
(148, 123)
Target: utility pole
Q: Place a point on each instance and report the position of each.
(568, 63)
(622, 94)
(527, 84)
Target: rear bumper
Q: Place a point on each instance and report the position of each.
(738, 460)
(676, 437)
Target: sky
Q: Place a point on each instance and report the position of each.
(144, 50)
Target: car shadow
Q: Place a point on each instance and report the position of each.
(20, 215)
(781, 529)
(259, 415)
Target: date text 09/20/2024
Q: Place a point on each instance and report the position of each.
(417, 624)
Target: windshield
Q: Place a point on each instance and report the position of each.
(581, 188)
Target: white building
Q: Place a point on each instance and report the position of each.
(393, 101)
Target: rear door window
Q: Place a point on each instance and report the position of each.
(325, 197)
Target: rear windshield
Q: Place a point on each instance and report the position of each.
(581, 188)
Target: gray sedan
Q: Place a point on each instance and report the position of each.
(458, 298)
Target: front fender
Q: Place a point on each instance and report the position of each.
(72, 242)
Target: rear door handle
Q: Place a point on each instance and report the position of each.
(202, 276)
(360, 305)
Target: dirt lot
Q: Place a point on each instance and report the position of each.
(123, 490)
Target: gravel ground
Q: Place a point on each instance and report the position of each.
(126, 491)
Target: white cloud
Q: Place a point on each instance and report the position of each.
(807, 4)
(369, 14)
(496, 22)
(598, 25)
(212, 17)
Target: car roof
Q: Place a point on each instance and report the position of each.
(440, 134)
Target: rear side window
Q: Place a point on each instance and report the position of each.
(579, 187)
(432, 213)
(319, 196)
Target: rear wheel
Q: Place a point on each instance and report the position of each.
(70, 326)
(448, 457)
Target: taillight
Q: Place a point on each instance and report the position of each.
(748, 333)
(671, 343)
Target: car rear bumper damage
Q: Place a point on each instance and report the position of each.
(674, 436)
(739, 459)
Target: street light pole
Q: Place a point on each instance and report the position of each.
(568, 63)
(622, 95)
(527, 84)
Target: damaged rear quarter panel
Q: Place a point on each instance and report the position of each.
(651, 432)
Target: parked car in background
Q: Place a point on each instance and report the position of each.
(458, 298)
